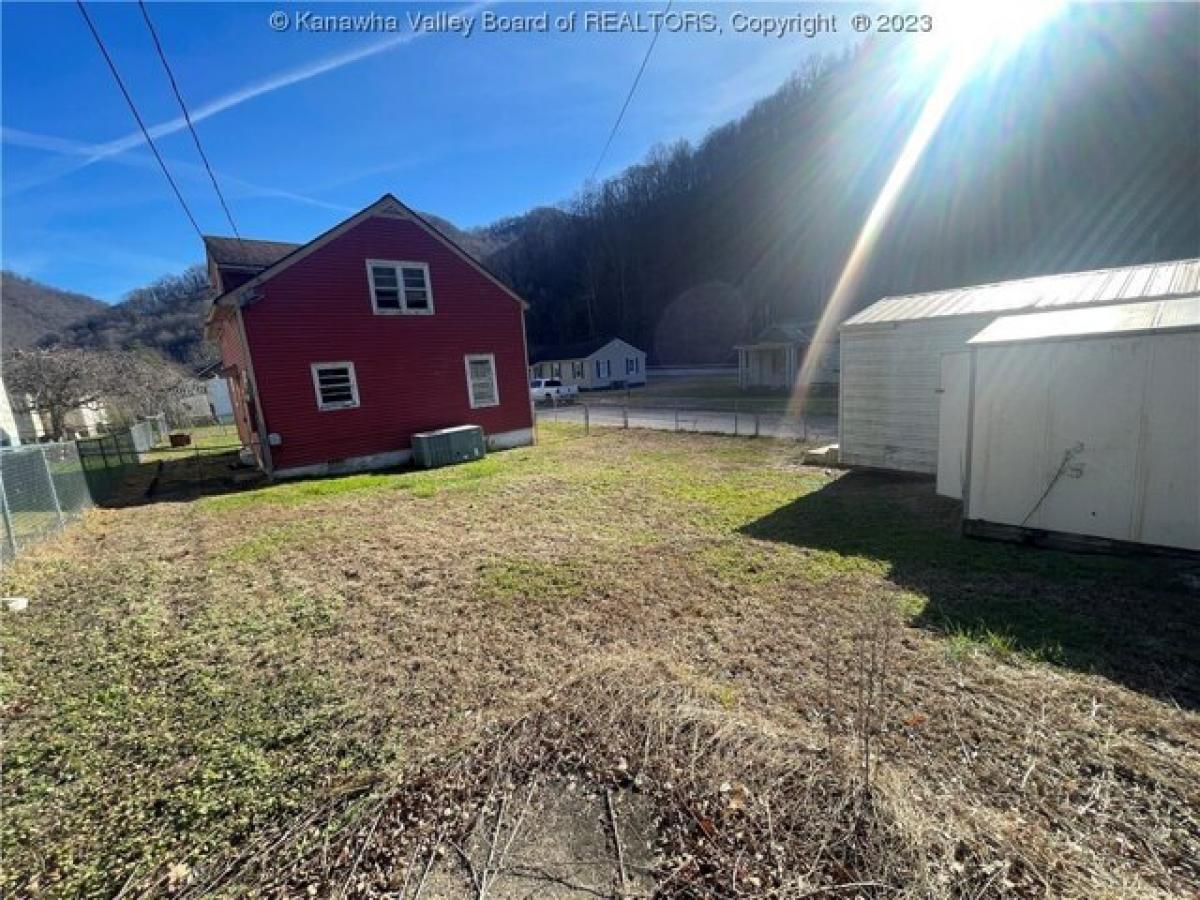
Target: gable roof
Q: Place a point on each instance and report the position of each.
(785, 331)
(386, 206)
(1154, 316)
(246, 253)
(1101, 286)
(577, 350)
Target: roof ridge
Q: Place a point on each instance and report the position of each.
(1046, 277)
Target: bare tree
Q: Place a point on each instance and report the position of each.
(53, 382)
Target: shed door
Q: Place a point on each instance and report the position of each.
(954, 396)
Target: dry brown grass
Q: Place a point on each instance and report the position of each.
(285, 689)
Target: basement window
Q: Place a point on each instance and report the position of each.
(335, 384)
(481, 380)
(399, 287)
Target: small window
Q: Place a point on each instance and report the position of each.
(577, 370)
(400, 287)
(335, 384)
(603, 368)
(630, 365)
(481, 380)
(556, 370)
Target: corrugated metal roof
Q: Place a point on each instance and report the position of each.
(1177, 278)
(1179, 314)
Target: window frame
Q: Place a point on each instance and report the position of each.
(322, 406)
(491, 360)
(604, 368)
(398, 267)
(577, 370)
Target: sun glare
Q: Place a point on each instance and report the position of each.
(966, 39)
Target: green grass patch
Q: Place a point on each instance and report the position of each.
(423, 484)
(534, 581)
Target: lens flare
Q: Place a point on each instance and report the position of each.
(967, 38)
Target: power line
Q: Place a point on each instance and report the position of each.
(187, 118)
(142, 125)
(628, 97)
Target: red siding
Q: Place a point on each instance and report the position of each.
(232, 359)
(410, 369)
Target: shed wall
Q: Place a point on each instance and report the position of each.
(890, 375)
(1089, 437)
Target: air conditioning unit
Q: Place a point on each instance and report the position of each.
(447, 446)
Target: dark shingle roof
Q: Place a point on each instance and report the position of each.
(578, 350)
(227, 251)
(786, 331)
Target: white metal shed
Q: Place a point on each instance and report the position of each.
(1083, 423)
(890, 377)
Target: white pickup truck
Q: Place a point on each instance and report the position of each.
(552, 390)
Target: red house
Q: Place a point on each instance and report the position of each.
(339, 350)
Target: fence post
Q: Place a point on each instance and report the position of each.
(677, 418)
(625, 414)
(587, 420)
(8, 525)
(756, 424)
(53, 487)
(735, 418)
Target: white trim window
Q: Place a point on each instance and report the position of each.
(604, 368)
(482, 387)
(577, 370)
(335, 385)
(400, 288)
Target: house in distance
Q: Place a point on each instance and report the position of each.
(774, 358)
(339, 350)
(591, 365)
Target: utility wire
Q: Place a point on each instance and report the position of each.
(628, 97)
(132, 108)
(187, 117)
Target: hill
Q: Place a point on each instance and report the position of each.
(1062, 158)
(167, 316)
(1079, 151)
(30, 310)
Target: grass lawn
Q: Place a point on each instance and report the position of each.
(780, 680)
(206, 439)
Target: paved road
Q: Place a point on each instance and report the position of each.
(666, 418)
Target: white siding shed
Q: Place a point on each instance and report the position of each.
(891, 353)
(1082, 423)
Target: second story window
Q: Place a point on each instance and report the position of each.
(400, 287)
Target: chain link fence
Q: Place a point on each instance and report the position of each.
(751, 417)
(43, 487)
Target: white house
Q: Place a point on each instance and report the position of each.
(773, 359)
(10, 434)
(891, 352)
(591, 365)
(1080, 424)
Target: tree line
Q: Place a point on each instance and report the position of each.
(1080, 151)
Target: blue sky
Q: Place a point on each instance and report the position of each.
(471, 129)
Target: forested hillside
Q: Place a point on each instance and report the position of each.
(1083, 151)
(31, 309)
(167, 316)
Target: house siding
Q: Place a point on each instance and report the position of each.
(409, 369)
(615, 352)
(233, 358)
